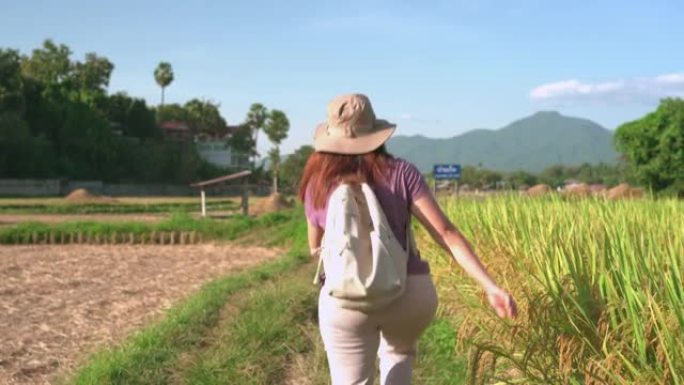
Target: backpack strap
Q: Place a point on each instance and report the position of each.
(317, 254)
(364, 218)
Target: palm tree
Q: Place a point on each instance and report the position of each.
(163, 74)
(256, 118)
(276, 129)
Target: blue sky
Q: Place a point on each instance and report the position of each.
(437, 68)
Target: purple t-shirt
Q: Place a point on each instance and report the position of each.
(403, 185)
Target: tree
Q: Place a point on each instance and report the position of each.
(256, 118)
(163, 75)
(479, 177)
(91, 78)
(276, 129)
(140, 121)
(49, 65)
(59, 77)
(291, 169)
(204, 117)
(21, 155)
(11, 84)
(554, 176)
(173, 111)
(654, 146)
(241, 140)
(88, 147)
(116, 107)
(131, 116)
(520, 178)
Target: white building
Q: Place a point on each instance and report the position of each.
(218, 153)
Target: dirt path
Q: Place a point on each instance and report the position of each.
(58, 304)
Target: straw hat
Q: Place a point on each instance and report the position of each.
(351, 127)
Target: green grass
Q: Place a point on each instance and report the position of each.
(258, 342)
(438, 360)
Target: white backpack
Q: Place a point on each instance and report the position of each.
(365, 265)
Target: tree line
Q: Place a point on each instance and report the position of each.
(654, 147)
(555, 176)
(58, 120)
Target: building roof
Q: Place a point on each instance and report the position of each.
(174, 125)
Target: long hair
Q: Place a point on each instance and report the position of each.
(323, 171)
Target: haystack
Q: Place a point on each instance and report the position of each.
(539, 190)
(598, 189)
(273, 203)
(625, 191)
(578, 190)
(83, 195)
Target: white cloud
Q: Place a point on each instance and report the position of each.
(671, 79)
(629, 90)
(405, 116)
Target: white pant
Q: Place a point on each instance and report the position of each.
(353, 339)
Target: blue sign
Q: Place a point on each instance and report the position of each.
(446, 171)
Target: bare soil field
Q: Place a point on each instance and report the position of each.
(58, 304)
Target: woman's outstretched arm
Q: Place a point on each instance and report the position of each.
(447, 235)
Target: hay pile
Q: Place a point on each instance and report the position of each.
(539, 190)
(578, 190)
(273, 203)
(625, 191)
(82, 195)
(598, 189)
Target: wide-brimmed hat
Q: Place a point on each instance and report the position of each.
(351, 127)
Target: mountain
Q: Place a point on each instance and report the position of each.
(532, 144)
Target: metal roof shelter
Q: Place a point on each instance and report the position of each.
(213, 182)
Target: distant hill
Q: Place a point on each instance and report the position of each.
(532, 144)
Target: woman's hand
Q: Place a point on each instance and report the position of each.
(503, 303)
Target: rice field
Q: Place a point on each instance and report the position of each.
(599, 285)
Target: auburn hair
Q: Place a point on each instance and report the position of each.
(324, 170)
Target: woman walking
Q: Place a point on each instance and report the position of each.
(350, 149)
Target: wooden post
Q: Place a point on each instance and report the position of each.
(245, 200)
(204, 203)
